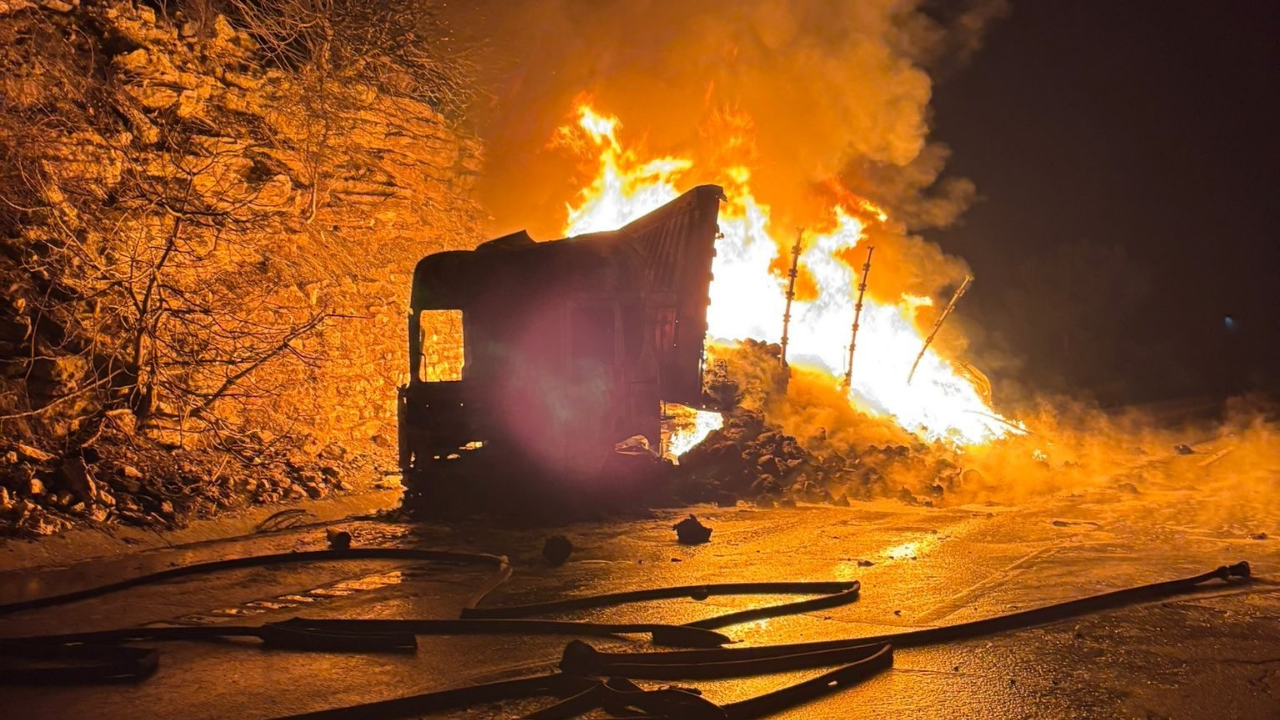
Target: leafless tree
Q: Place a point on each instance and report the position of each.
(147, 262)
(394, 47)
(146, 247)
(348, 57)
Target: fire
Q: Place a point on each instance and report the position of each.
(692, 425)
(941, 403)
(624, 187)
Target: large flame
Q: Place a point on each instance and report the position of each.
(748, 298)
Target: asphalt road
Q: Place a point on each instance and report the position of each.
(1212, 655)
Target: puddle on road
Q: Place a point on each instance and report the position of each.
(340, 589)
(911, 550)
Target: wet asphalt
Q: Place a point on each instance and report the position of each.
(1214, 654)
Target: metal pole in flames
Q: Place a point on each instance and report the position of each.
(968, 280)
(857, 316)
(791, 293)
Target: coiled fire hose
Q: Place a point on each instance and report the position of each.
(583, 667)
(582, 681)
(100, 657)
(500, 564)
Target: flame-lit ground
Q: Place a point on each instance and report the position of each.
(1211, 655)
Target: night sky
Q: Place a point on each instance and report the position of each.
(1127, 156)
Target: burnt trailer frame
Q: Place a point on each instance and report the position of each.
(570, 347)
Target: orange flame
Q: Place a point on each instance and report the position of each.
(747, 298)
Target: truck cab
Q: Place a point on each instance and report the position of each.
(533, 361)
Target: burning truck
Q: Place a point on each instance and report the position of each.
(558, 351)
(568, 348)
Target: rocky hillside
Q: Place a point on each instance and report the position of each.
(209, 214)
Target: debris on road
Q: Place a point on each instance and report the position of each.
(338, 539)
(557, 549)
(127, 480)
(284, 519)
(690, 531)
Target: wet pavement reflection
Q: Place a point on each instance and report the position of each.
(1209, 655)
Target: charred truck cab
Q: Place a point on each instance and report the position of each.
(567, 348)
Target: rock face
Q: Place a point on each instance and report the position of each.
(180, 130)
(206, 250)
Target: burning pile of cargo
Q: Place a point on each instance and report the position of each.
(752, 456)
(750, 459)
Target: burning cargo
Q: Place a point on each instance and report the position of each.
(567, 348)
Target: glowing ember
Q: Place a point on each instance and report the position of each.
(747, 298)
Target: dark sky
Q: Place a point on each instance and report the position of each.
(1127, 155)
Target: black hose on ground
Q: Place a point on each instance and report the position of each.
(98, 657)
(696, 592)
(75, 664)
(583, 659)
(824, 602)
(49, 660)
(581, 662)
(498, 562)
(376, 635)
(685, 636)
(280, 636)
(555, 684)
(811, 689)
(580, 658)
(875, 651)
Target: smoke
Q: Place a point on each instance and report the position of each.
(1203, 463)
(834, 89)
(1217, 469)
(1219, 472)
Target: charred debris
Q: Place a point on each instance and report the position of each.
(752, 458)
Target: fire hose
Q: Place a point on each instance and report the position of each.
(588, 678)
(100, 657)
(697, 592)
(499, 563)
(582, 667)
(583, 659)
(619, 693)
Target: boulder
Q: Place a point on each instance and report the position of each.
(77, 477)
(32, 453)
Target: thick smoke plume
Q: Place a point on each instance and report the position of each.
(834, 98)
(1180, 463)
(833, 89)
